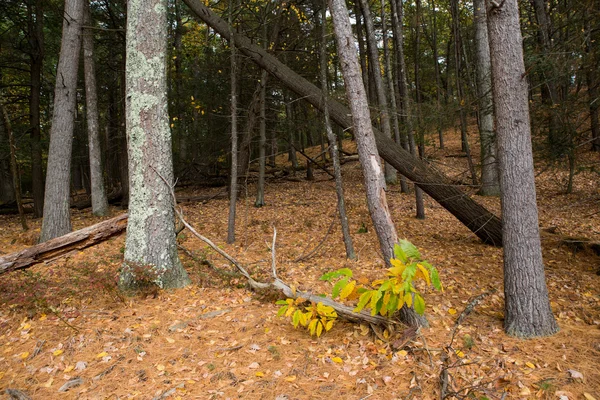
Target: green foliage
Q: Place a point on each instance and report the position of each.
(383, 296)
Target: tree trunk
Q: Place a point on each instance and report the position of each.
(150, 248)
(57, 215)
(527, 308)
(384, 113)
(262, 143)
(233, 190)
(333, 146)
(99, 200)
(490, 185)
(54, 248)
(36, 41)
(7, 192)
(474, 216)
(14, 168)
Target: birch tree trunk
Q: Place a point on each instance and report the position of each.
(527, 307)
(57, 215)
(99, 199)
(150, 248)
(490, 184)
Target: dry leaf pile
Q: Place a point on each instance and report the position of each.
(66, 332)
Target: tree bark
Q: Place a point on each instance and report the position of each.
(36, 41)
(490, 185)
(233, 189)
(527, 307)
(57, 215)
(333, 145)
(61, 245)
(7, 192)
(99, 200)
(150, 248)
(473, 215)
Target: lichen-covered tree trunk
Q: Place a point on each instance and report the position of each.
(99, 199)
(150, 248)
(57, 215)
(527, 308)
(490, 185)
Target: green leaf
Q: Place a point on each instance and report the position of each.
(363, 300)
(419, 304)
(338, 287)
(347, 290)
(374, 302)
(296, 318)
(336, 274)
(435, 279)
(385, 286)
(282, 310)
(409, 272)
(399, 253)
(281, 302)
(392, 304)
(410, 250)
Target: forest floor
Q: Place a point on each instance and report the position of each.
(217, 339)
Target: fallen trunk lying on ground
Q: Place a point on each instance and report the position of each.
(473, 215)
(77, 240)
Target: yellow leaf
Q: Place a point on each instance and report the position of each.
(24, 355)
(160, 367)
(100, 355)
(530, 365)
(460, 353)
(170, 340)
(49, 382)
(25, 327)
(337, 360)
(425, 273)
(402, 353)
(260, 374)
(57, 352)
(69, 368)
(349, 288)
(588, 396)
(319, 329)
(290, 378)
(43, 317)
(451, 311)
(408, 299)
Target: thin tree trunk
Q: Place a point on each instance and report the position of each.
(14, 168)
(527, 307)
(333, 146)
(36, 42)
(490, 184)
(262, 143)
(7, 191)
(57, 215)
(438, 81)
(366, 144)
(473, 215)
(150, 257)
(234, 134)
(391, 176)
(99, 200)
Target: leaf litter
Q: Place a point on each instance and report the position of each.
(65, 326)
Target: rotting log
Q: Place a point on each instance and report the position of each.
(77, 240)
(473, 215)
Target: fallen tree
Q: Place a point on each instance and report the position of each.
(51, 249)
(472, 214)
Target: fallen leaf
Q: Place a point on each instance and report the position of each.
(160, 367)
(254, 365)
(337, 360)
(69, 368)
(49, 382)
(101, 355)
(80, 365)
(259, 374)
(530, 365)
(575, 374)
(24, 355)
(452, 311)
(402, 353)
(57, 352)
(170, 340)
(588, 396)
(290, 378)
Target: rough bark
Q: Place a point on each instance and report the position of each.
(474, 216)
(7, 192)
(99, 200)
(333, 146)
(57, 215)
(51, 249)
(150, 248)
(490, 184)
(527, 308)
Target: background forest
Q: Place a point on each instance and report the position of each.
(256, 139)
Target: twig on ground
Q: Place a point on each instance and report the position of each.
(169, 392)
(16, 394)
(108, 370)
(310, 254)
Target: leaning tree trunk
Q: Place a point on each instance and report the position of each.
(473, 215)
(527, 308)
(99, 199)
(490, 185)
(366, 144)
(57, 215)
(333, 145)
(150, 248)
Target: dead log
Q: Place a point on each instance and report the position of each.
(59, 246)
